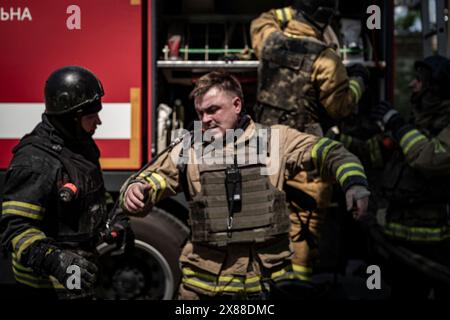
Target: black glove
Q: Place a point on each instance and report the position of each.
(387, 116)
(57, 262)
(119, 232)
(358, 70)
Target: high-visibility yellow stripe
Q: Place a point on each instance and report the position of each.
(300, 268)
(252, 280)
(291, 274)
(277, 274)
(315, 150)
(31, 234)
(412, 143)
(162, 183)
(23, 234)
(294, 36)
(288, 13)
(158, 178)
(350, 173)
(211, 288)
(25, 275)
(354, 86)
(355, 93)
(190, 272)
(18, 266)
(27, 243)
(325, 152)
(28, 275)
(279, 14)
(348, 165)
(22, 214)
(152, 184)
(416, 233)
(215, 284)
(150, 181)
(319, 146)
(418, 229)
(56, 284)
(24, 205)
(407, 136)
(40, 285)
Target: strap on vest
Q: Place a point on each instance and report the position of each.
(56, 150)
(63, 154)
(233, 184)
(182, 170)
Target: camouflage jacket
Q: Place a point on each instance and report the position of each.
(337, 93)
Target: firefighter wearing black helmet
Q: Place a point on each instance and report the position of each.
(417, 179)
(54, 203)
(304, 84)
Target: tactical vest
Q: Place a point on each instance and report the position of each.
(80, 220)
(286, 94)
(263, 212)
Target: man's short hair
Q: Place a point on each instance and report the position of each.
(220, 79)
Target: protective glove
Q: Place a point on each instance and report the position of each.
(57, 262)
(119, 232)
(387, 117)
(358, 70)
(357, 200)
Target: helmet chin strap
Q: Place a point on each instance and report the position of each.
(301, 15)
(81, 134)
(69, 126)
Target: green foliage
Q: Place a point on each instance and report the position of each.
(406, 22)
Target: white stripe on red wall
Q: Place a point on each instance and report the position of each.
(18, 119)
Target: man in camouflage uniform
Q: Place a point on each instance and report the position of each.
(417, 178)
(239, 245)
(304, 84)
(302, 79)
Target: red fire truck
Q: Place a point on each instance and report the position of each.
(148, 54)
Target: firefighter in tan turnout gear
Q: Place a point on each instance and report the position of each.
(416, 180)
(303, 83)
(239, 244)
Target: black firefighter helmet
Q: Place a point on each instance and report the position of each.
(318, 10)
(434, 72)
(72, 89)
